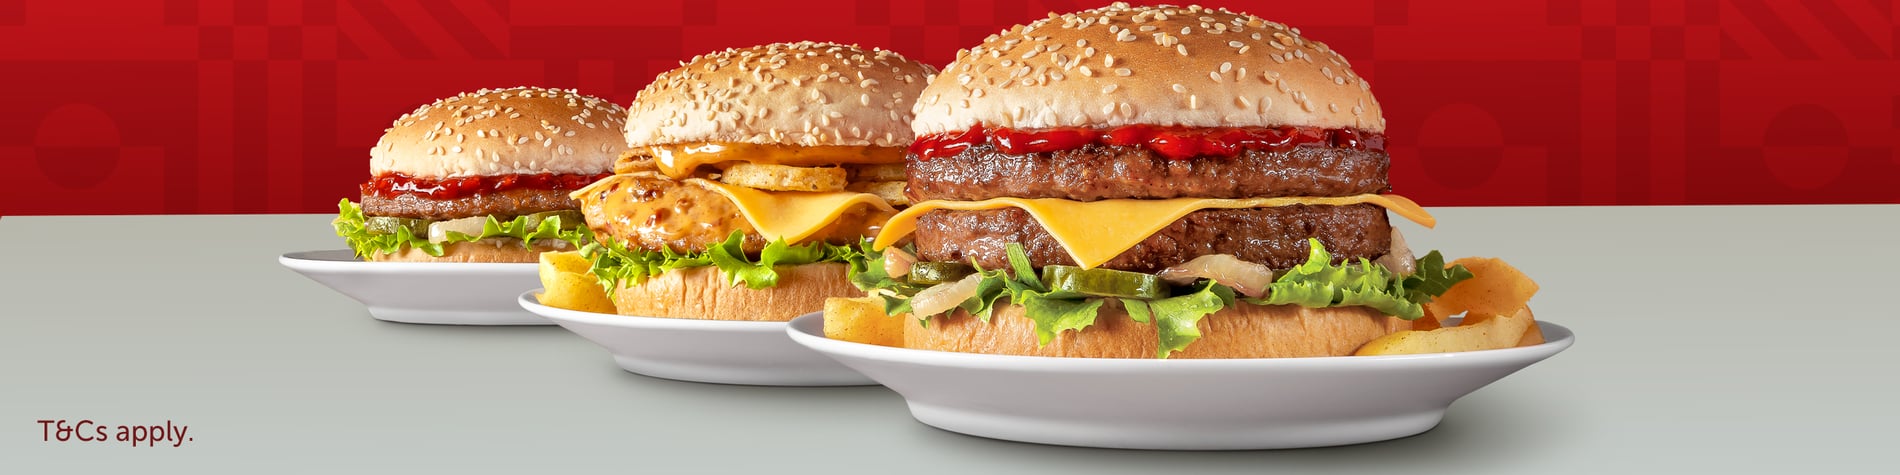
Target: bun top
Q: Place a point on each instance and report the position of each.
(522, 130)
(784, 93)
(1159, 65)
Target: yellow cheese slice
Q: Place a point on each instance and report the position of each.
(1095, 231)
(680, 160)
(791, 215)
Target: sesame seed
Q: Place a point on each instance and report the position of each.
(1179, 88)
(1123, 72)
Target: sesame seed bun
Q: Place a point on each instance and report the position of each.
(506, 250)
(522, 130)
(1241, 331)
(1155, 65)
(809, 94)
(702, 293)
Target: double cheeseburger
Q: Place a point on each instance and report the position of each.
(1140, 182)
(754, 176)
(483, 177)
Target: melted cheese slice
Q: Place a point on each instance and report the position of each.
(1096, 231)
(791, 215)
(679, 161)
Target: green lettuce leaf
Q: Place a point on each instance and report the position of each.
(614, 263)
(1316, 283)
(1055, 315)
(1177, 318)
(352, 226)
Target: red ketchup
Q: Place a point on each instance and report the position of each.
(392, 185)
(1178, 143)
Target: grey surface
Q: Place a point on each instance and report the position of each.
(1711, 339)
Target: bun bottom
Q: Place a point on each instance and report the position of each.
(702, 293)
(1242, 331)
(504, 250)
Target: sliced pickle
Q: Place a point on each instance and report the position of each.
(1104, 282)
(933, 273)
(391, 224)
(570, 219)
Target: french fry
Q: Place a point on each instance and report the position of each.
(1495, 288)
(1492, 333)
(1430, 321)
(567, 282)
(1532, 336)
(1495, 301)
(862, 320)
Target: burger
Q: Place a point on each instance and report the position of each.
(754, 176)
(1142, 182)
(483, 177)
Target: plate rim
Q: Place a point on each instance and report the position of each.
(533, 305)
(798, 331)
(302, 260)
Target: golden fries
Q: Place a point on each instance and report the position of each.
(862, 320)
(1492, 333)
(1495, 288)
(1496, 304)
(567, 282)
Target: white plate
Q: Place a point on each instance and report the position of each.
(1179, 404)
(450, 293)
(707, 351)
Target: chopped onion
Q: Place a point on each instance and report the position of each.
(439, 230)
(897, 262)
(943, 297)
(1399, 259)
(1248, 278)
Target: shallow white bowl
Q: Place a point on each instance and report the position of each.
(447, 293)
(1179, 404)
(707, 351)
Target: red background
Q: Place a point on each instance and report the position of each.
(265, 107)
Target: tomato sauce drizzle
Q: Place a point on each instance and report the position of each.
(392, 185)
(1178, 143)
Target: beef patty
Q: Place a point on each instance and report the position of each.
(1098, 172)
(1273, 236)
(501, 204)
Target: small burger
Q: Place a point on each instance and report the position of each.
(755, 174)
(1141, 182)
(483, 177)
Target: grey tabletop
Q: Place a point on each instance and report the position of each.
(1733, 339)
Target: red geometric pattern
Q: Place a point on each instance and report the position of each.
(232, 106)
